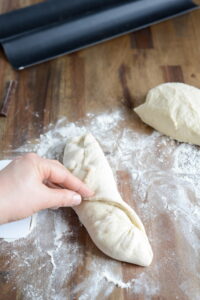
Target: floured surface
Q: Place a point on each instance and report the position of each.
(159, 178)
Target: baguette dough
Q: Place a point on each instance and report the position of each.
(111, 223)
(173, 109)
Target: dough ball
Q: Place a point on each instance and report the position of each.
(173, 109)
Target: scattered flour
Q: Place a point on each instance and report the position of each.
(118, 282)
(165, 181)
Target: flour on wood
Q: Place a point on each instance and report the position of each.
(165, 190)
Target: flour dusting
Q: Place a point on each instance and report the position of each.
(118, 282)
(165, 186)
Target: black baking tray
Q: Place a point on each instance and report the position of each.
(55, 27)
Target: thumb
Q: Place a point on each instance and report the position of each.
(61, 198)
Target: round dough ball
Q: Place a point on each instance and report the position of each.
(173, 109)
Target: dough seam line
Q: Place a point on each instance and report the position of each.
(111, 203)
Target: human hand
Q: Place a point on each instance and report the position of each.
(30, 183)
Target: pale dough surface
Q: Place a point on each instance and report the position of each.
(173, 109)
(112, 224)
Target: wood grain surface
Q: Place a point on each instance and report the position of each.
(113, 75)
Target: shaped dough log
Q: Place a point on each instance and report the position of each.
(111, 223)
(173, 109)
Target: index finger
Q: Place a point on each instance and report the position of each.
(55, 172)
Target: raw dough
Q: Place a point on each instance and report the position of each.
(173, 109)
(111, 223)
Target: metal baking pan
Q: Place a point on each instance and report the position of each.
(44, 31)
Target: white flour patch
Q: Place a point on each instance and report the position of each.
(117, 281)
(188, 288)
(147, 284)
(164, 177)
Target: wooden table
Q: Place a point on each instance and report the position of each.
(115, 75)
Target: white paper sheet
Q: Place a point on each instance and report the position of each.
(18, 229)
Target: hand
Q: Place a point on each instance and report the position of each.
(30, 183)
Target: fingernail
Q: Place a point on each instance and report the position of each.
(76, 199)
